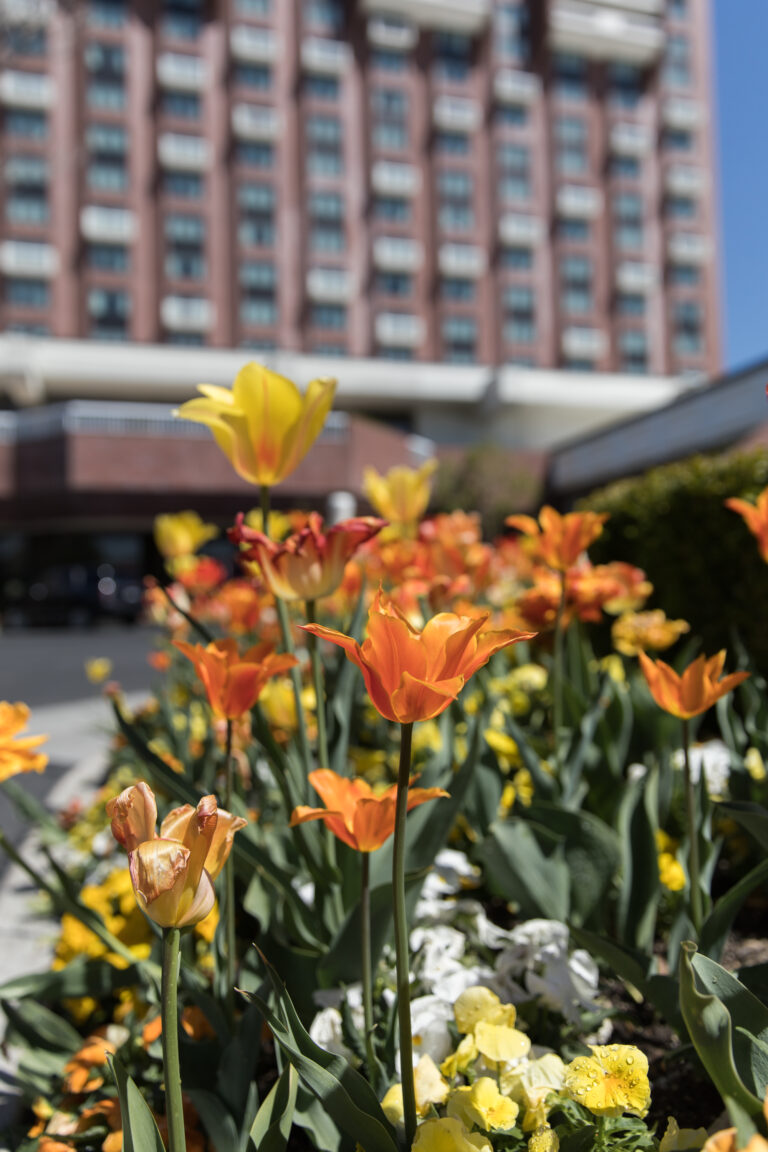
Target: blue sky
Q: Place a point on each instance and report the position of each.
(740, 42)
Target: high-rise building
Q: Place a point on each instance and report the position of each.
(506, 182)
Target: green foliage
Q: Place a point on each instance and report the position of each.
(703, 561)
(488, 480)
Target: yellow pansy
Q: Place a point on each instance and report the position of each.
(448, 1135)
(429, 1086)
(671, 872)
(544, 1139)
(482, 1105)
(500, 1043)
(478, 1004)
(753, 762)
(531, 1084)
(614, 1079)
(460, 1061)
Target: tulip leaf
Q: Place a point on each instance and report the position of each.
(744, 1008)
(237, 1063)
(140, 1132)
(592, 855)
(710, 1029)
(717, 925)
(39, 1027)
(217, 1120)
(346, 1095)
(274, 1120)
(753, 817)
(543, 782)
(82, 977)
(640, 886)
(520, 870)
(341, 696)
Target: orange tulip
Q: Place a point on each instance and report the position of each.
(353, 812)
(234, 682)
(17, 753)
(557, 540)
(412, 675)
(695, 691)
(755, 517)
(310, 564)
(173, 873)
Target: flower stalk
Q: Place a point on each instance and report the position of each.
(229, 882)
(365, 952)
(693, 836)
(558, 668)
(170, 1036)
(401, 937)
(318, 677)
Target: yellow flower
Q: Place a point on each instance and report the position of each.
(639, 631)
(426, 737)
(263, 424)
(448, 1135)
(753, 762)
(503, 745)
(181, 534)
(544, 1139)
(614, 667)
(430, 1088)
(16, 753)
(478, 1004)
(482, 1105)
(98, 669)
(499, 1042)
(531, 1084)
(460, 1061)
(529, 677)
(402, 495)
(278, 524)
(614, 1079)
(671, 872)
(677, 1139)
(206, 928)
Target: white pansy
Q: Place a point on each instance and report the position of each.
(327, 1031)
(538, 957)
(711, 757)
(430, 1017)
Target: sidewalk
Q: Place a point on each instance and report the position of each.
(78, 736)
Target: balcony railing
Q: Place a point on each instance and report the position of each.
(456, 114)
(111, 225)
(186, 313)
(630, 140)
(462, 260)
(577, 201)
(688, 248)
(520, 231)
(510, 87)
(183, 153)
(254, 45)
(683, 180)
(636, 278)
(467, 16)
(677, 112)
(327, 57)
(399, 330)
(329, 285)
(584, 343)
(180, 72)
(605, 33)
(25, 90)
(391, 179)
(397, 254)
(22, 258)
(388, 32)
(254, 122)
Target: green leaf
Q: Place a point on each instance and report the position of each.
(592, 855)
(140, 1133)
(80, 978)
(745, 1010)
(237, 1064)
(217, 1120)
(628, 963)
(709, 1027)
(717, 925)
(519, 870)
(752, 1053)
(640, 886)
(345, 1094)
(41, 1028)
(751, 816)
(274, 1120)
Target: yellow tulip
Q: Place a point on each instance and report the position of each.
(263, 424)
(402, 495)
(181, 534)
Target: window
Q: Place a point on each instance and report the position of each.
(105, 82)
(570, 77)
(510, 32)
(459, 339)
(519, 323)
(680, 207)
(23, 40)
(579, 364)
(25, 124)
(258, 303)
(393, 284)
(187, 339)
(514, 163)
(324, 155)
(678, 139)
(260, 344)
(108, 13)
(106, 169)
(24, 328)
(256, 227)
(185, 247)
(677, 62)
(257, 76)
(25, 293)
(571, 154)
(321, 87)
(107, 257)
(576, 284)
(627, 220)
(625, 85)
(457, 288)
(383, 60)
(326, 222)
(573, 228)
(389, 114)
(389, 352)
(517, 259)
(325, 15)
(109, 311)
(393, 209)
(452, 143)
(255, 153)
(184, 105)
(328, 316)
(677, 9)
(684, 275)
(26, 197)
(511, 115)
(455, 195)
(182, 19)
(625, 167)
(633, 351)
(687, 328)
(253, 7)
(630, 304)
(185, 185)
(452, 54)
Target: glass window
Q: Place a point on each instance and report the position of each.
(24, 328)
(256, 226)
(393, 209)
(187, 339)
(570, 77)
(106, 169)
(633, 351)
(25, 124)
(687, 328)
(677, 9)
(571, 153)
(576, 284)
(255, 153)
(518, 259)
(328, 316)
(680, 207)
(105, 68)
(514, 164)
(26, 198)
(628, 220)
(258, 76)
(459, 339)
(455, 192)
(26, 293)
(511, 115)
(510, 32)
(457, 288)
(573, 228)
(389, 115)
(324, 138)
(684, 275)
(109, 311)
(677, 62)
(452, 143)
(107, 13)
(630, 304)
(253, 7)
(389, 352)
(579, 364)
(185, 247)
(107, 257)
(327, 15)
(185, 185)
(452, 54)
(678, 139)
(321, 87)
(23, 40)
(258, 303)
(519, 314)
(326, 214)
(393, 284)
(185, 105)
(384, 60)
(625, 167)
(625, 85)
(182, 19)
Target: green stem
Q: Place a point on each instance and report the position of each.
(401, 936)
(365, 952)
(557, 695)
(229, 885)
(264, 501)
(693, 837)
(319, 682)
(600, 1141)
(171, 1069)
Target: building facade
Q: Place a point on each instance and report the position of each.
(496, 182)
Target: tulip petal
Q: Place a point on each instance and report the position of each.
(133, 814)
(158, 871)
(422, 699)
(374, 822)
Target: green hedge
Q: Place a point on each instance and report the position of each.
(702, 559)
